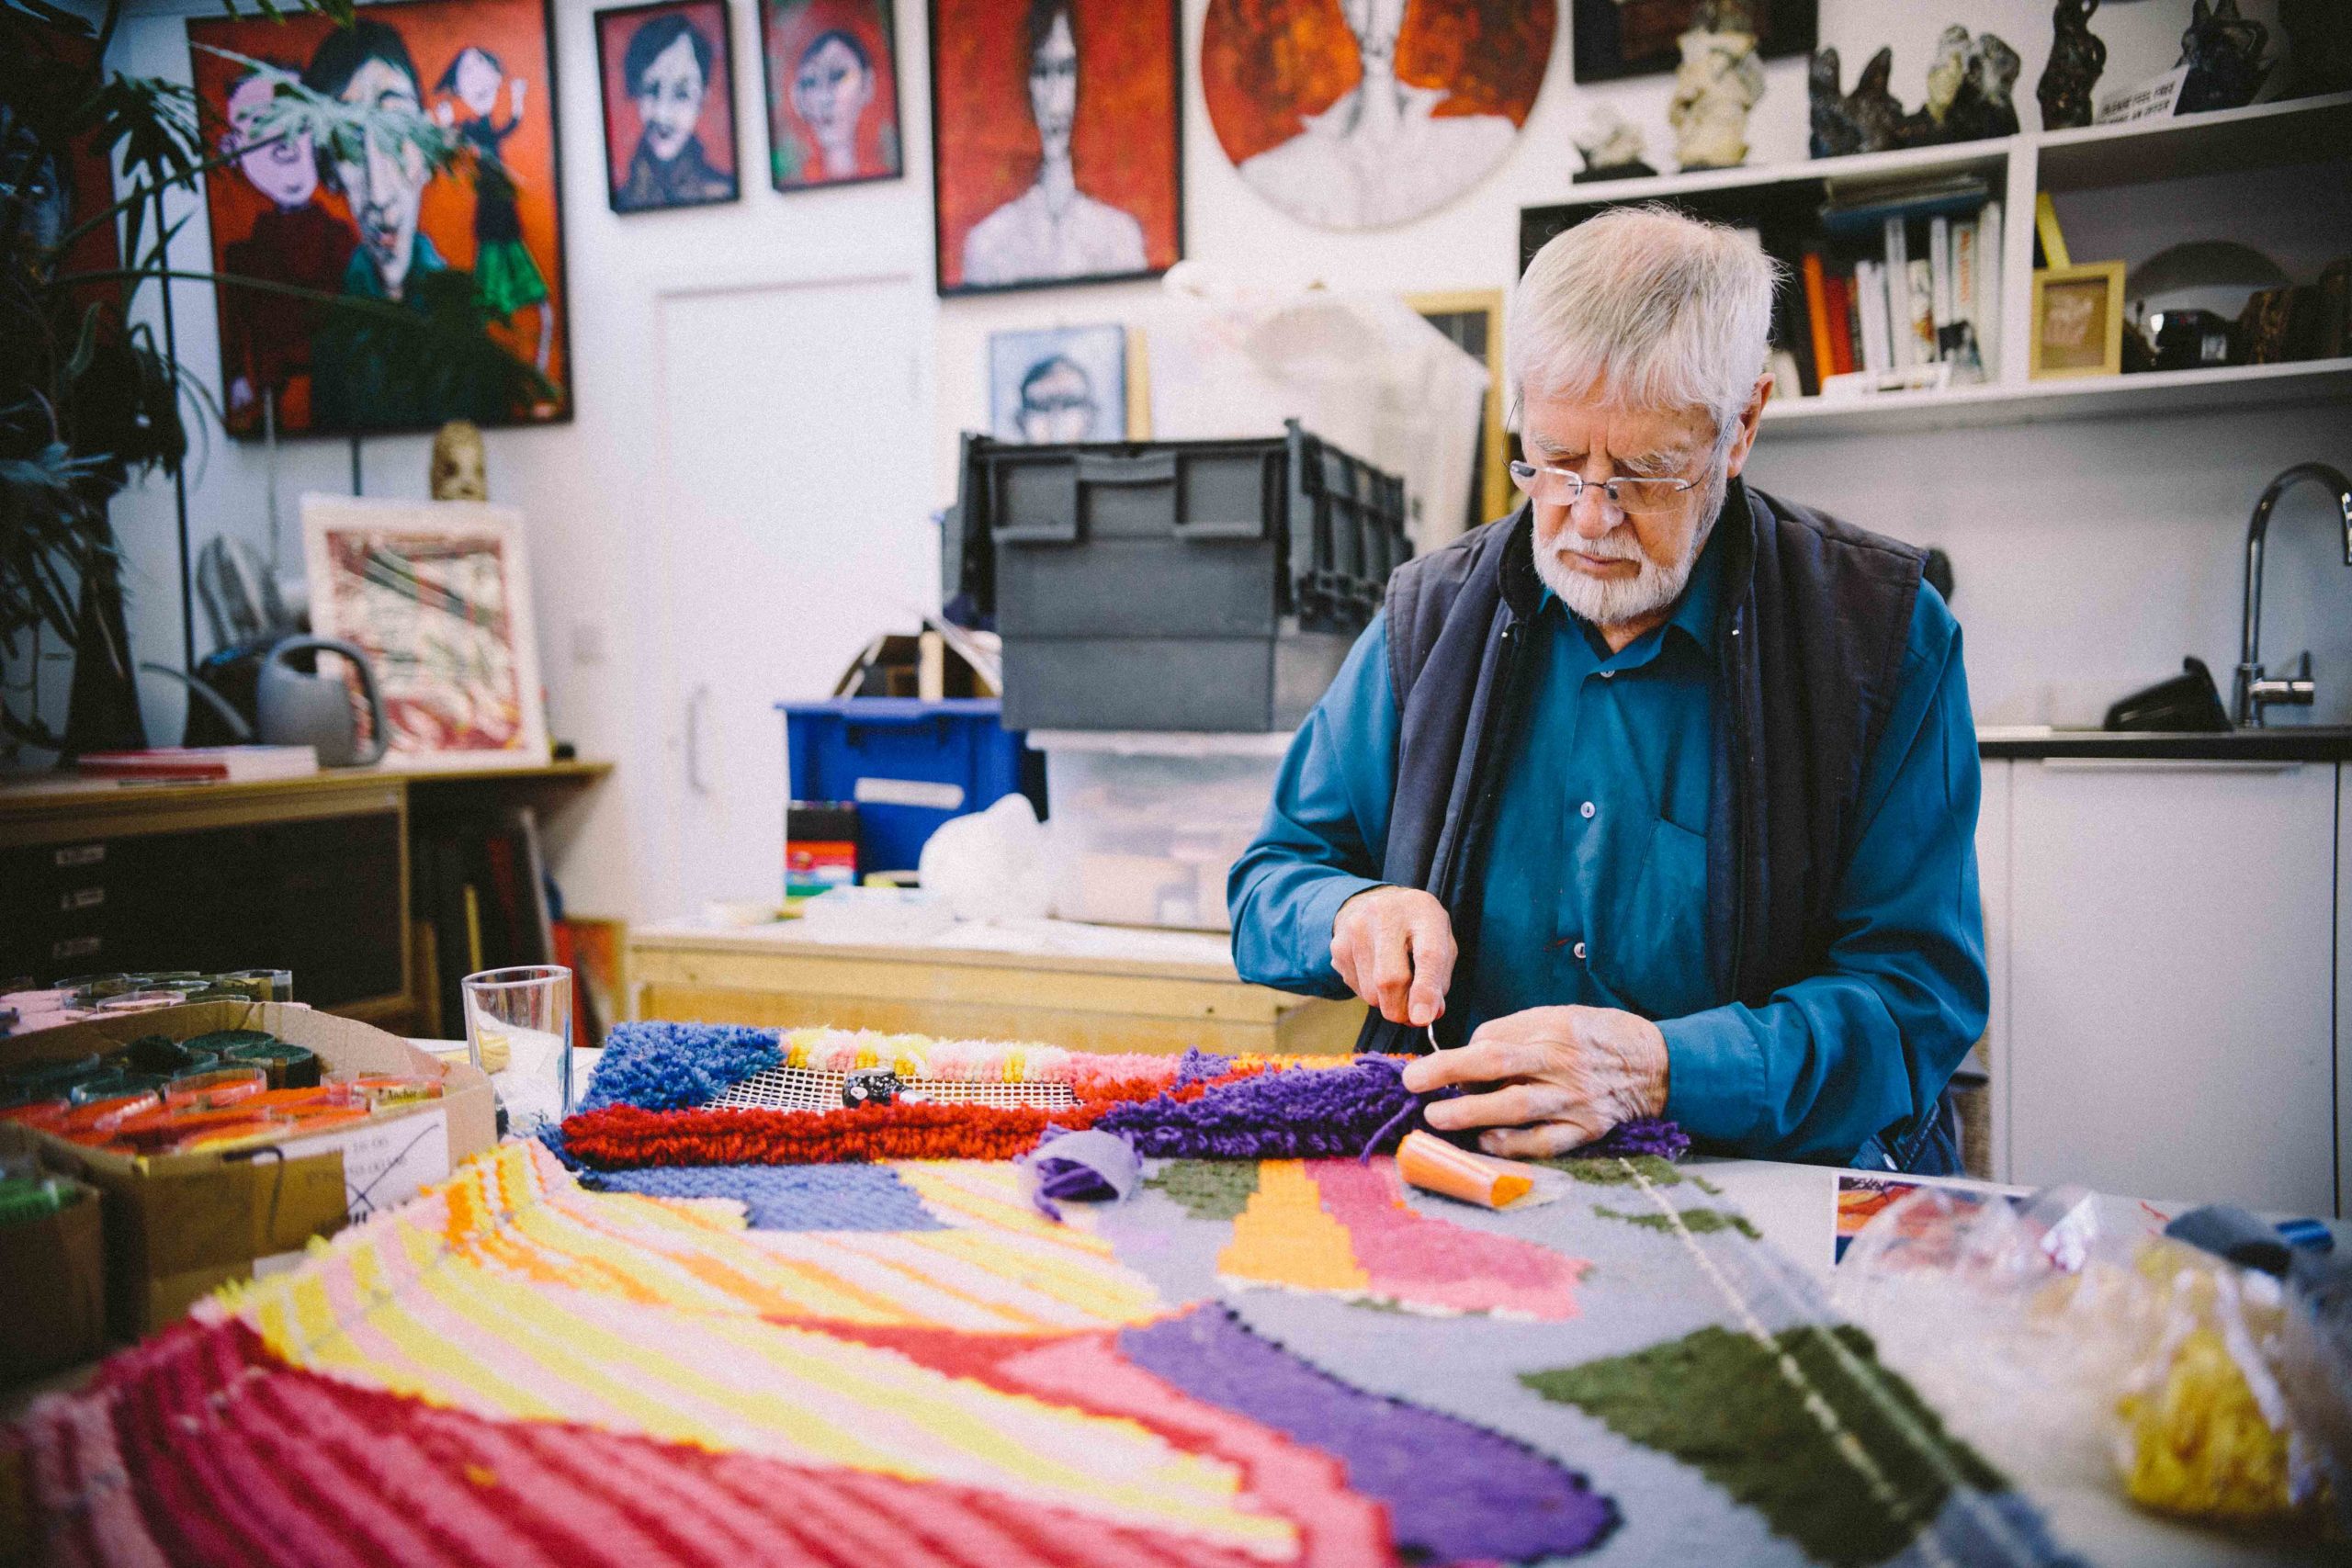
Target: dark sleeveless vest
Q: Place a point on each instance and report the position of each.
(1816, 617)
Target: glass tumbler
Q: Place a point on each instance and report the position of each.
(527, 1011)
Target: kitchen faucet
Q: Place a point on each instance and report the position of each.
(2257, 691)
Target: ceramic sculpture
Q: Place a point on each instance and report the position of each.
(1717, 83)
(2077, 57)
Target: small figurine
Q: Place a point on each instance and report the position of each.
(1877, 112)
(2223, 53)
(1717, 83)
(2077, 57)
(1986, 102)
(460, 470)
(1835, 134)
(1611, 149)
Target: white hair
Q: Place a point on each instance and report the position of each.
(1648, 307)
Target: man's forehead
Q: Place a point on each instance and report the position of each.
(1575, 427)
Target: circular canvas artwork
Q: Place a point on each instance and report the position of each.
(1361, 114)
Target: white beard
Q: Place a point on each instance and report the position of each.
(1614, 601)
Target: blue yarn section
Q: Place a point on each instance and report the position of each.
(787, 1197)
(668, 1066)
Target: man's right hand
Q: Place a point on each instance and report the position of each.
(1394, 946)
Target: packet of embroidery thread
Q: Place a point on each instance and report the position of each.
(1435, 1165)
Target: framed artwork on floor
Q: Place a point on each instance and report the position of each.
(1472, 320)
(437, 595)
(407, 161)
(1614, 39)
(2078, 320)
(1368, 116)
(1056, 145)
(667, 75)
(832, 89)
(1057, 384)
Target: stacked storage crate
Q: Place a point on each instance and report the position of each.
(1170, 612)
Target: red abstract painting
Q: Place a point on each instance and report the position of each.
(1365, 115)
(1056, 153)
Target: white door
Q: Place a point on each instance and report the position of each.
(2170, 971)
(794, 470)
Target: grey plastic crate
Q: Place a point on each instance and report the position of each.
(1205, 585)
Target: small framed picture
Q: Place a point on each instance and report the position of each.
(668, 74)
(1056, 156)
(437, 595)
(831, 68)
(1058, 384)
(2078, 320)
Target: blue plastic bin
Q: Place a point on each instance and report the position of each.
(909, 764)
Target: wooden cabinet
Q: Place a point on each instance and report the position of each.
(2170, 1015)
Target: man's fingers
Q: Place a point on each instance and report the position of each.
(1513, 1105)
(1550, 1139)
(1343, 962)
(1485, 1060)
(1392, 969)
(1434, 955)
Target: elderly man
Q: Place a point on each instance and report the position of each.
(1658, 796)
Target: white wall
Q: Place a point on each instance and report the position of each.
(2090, 555)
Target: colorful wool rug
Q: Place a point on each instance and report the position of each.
(1283, 1358)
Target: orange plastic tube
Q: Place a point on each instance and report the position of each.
(1436, 1166)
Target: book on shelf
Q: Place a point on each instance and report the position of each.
(1988, 290)
(201, 764)
(1816, 315)
(1923, 313)
(1897, 256)
(1930, 296)
(1839, 290)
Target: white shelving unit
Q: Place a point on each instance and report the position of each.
(2312, 130)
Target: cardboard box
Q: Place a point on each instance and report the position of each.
(179, 1226)
(52, 1283)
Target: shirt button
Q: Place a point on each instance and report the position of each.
(1578, 950)
(1608, 674)
(1586, 811)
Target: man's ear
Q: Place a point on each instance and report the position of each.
(1744, 440)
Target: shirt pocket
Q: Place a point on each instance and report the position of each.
(1656, 959)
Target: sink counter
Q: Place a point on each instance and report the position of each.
(2282, 743)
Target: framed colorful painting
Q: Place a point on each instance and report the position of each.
(833, 87)
(437, 595)
(667, 72)
(1372, 115)
(393, 187)
(1056, 153)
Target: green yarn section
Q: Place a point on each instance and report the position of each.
(1209, 1189)
(1613, 1171)
(1717, 1401)
(1698, 1221)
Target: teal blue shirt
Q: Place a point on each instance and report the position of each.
(1595, 886)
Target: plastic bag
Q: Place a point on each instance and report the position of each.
(2078, 1350)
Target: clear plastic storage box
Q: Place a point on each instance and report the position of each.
(1146, 825)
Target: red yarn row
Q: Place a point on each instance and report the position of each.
(621, 1137)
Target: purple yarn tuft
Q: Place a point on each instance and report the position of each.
(1197, 1065)
(1642, 1136)
(1322, 1113)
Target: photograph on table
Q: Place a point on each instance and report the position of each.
(2078, 320)
(391, 187)
(832, 88)
(1643, 38)
(1371, 115)
(1058, 384)
(437, 595)
(1054, 145)
(667, 72)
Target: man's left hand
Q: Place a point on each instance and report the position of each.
(1554, 1078)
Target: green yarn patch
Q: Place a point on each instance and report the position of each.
(1698, 1221)
(1613, 1171)
(1209, 1189)
(1717, 1401)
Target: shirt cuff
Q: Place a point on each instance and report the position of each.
(1317, 911)
(1714, 1075)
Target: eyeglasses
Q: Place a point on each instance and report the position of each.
(1559, 487)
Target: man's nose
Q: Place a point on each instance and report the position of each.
(1592, 515)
